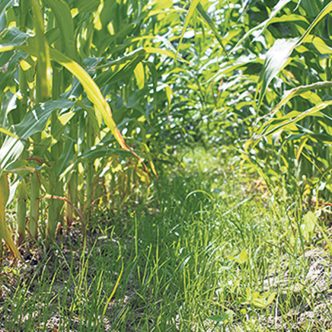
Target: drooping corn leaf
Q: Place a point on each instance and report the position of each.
(94, 94)
(281, 51)
(292, 118)
(325, 11)
(298, 91)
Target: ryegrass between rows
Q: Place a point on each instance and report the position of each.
(206, 252)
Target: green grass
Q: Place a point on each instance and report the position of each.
(206, 252)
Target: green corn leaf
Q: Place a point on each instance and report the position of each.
(34, 122)
(61, 11)
(288, 18)
(126, 71)
(87, 6)
(292, 118)
(319, 44)
(261, 27)
(190, 14)
(101, 151)
(325, 11)
(276, 60)
(4, 4)
(167, 53)
(10, 151)
(211, 24)
(11, 39)
(278, 56)
(63, 160)
(140, 52)
(298, 91)
(44, 68)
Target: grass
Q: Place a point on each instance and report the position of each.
(209, 250)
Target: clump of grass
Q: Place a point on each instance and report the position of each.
(202, 254)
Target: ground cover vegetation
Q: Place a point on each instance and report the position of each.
(165, 165)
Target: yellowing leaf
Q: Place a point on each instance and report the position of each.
(308, 225)
(162, 4)
(243, 257)
(102, 108)
(260, 300)
(25, 65)
(7, 132)
(169, 94)
(320, 45)
(140, 75)
(156, 50)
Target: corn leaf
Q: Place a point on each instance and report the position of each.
(11, 39)
(261, 27)
(278, 56)
(64, 20)
(33, 122)
(44, 68)
(276, 60)
(190, 14)
(292, 118)
(212, 26)
(7, 132)
(298, 91)
(94, 94)
(140, 75)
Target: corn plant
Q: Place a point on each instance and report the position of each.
(65, 65)
(266, 87)
(78, 76)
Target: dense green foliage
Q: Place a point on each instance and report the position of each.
(253, 75)
(267, 88)
(97, 97)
